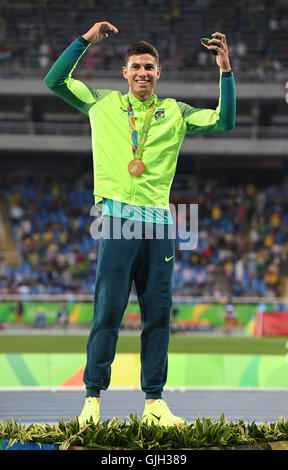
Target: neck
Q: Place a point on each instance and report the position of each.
(142, 97)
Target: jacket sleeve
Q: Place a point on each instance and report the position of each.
(221, 119)
(59, 78)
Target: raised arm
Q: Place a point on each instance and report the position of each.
(221, 46)
(99, 31)
(59, 78)
(221, 119)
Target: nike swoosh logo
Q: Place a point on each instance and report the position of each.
(152, 414)
(168, 259)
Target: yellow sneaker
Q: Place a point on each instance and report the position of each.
(158, 412)
(90, 410)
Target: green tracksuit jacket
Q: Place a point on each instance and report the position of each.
(111, 140)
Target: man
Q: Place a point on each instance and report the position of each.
(136, 139)
(230, 315)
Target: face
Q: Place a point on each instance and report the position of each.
(142, 73)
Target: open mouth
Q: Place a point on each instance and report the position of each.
(142, 82)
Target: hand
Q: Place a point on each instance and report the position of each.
(99, 31)
(222, 59)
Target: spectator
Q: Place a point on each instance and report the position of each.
(19, 309)
(40, 318)
(63, 317)
(230, 316)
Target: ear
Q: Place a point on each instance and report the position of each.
(158, 72)
(124, 71)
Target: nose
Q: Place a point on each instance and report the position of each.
(142, 72)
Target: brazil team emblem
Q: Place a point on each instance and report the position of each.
(159, 114)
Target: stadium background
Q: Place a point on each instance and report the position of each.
(239, 180)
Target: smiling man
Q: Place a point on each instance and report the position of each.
(141, 69)
(136, 139)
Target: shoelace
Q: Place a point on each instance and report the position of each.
(162, 404)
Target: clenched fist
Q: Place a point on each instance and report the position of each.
(99, 31)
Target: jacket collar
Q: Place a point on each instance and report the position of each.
(136, 103)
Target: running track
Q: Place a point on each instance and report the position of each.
(49, 406)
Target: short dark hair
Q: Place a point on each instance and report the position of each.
(141, 47)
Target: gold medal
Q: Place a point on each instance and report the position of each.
(136, 167)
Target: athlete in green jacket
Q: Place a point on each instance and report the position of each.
(136, 138)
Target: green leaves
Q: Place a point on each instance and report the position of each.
(117, 434)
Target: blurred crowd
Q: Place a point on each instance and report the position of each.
(241, 251)
(242, 242)
(51, 225)
(34, 33)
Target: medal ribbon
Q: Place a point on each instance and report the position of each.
(138, 148)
